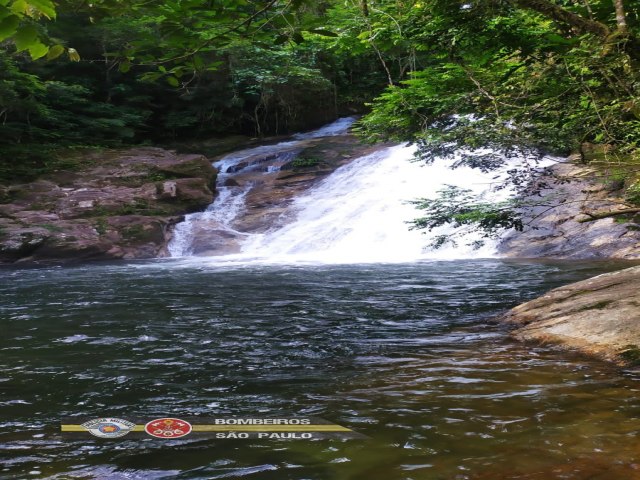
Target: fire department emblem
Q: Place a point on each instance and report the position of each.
(108, 427)
(168, 428)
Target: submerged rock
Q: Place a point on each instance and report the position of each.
(117, 204)
(598, 316)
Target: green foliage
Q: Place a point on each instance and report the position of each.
(507, 79)
(632, 193)
(18, 21)
(40, 116)
(461, 208)
(159, 71)
(101, 225)
(305, 162)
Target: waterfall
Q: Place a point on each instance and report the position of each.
(361, 212)
(217, 219)
(357, 214)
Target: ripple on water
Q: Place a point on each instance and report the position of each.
(400, 353)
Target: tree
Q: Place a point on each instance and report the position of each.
(515, 78)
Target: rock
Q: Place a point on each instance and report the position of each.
(230, 182)
(599, 316)
(119, 206)
(19, 242)
(168, 190)
(191, 166)
(558, 233)
(193, 193)
(71, 241)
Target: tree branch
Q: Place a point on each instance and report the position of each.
(621, 16)
(611, 213)
(561, 15)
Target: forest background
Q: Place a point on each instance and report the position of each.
(511, 77)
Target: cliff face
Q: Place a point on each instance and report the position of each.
(599, 316)
(573, 189)
(118, 205)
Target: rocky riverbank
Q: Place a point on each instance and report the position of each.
(558, 224)
(598, 316)
(114, 204)
(122, 204)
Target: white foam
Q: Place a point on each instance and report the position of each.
(360, 213)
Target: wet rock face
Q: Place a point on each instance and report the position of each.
(120, 205)
(557, 232)
(599, 316)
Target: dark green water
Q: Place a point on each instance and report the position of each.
(401, 353)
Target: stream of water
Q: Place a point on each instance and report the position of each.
(340, 314)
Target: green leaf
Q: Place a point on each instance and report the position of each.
(74, 56)
(44, 7)
(55, 52)
(125, 66)
(25, 37)
(38, 50)
(150, 77)
(173, 81)
(198, 62)
(8, 27)
(19, 7)
(280, 39)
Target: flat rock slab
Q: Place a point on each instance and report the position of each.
(599, 316)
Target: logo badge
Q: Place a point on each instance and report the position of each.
(108, 427)
(168, 428)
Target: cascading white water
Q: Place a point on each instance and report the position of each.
(229, 202)
(361, 212)
(358, 214)
(217, 216)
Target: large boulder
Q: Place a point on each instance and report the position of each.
(599, 316)
(561, 232)
(118, 205)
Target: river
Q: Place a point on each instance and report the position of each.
(401, 353)
(338, 311)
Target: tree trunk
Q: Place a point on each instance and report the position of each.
(559, 14)
(621, 17)
(599, 215)
(365, 8)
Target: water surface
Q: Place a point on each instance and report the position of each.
(402, 353)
